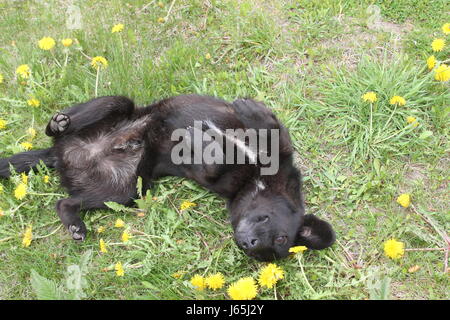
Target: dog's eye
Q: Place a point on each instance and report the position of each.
(263, 219)
(281, 240)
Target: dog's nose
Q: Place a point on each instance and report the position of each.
(250, 243)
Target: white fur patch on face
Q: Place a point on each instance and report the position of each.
(260, 185)
(239, 143)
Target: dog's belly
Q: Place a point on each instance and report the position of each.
(107, 160)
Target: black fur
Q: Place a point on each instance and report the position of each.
(26, 161)
(103, 145)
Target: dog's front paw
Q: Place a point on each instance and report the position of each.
(78, 232)
(59, 123)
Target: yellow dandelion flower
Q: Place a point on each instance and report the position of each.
(400, 101)
(442, 73)
(160, 4)
(215, 281)
(99, 62)
(394, 249)
(23, 71)
(270, 275)
(438, 44)
(1, 189)
(369, 96)
(207, 56)
(198, 282)
(3, 124)
(297, 249)
(33, 102)
(178, 274)
(2, 213)
(102, 245)
(119, 223)
(46, 179)
(404, 200)
(161, 20)
(21, 191)
(117, 28)
(101, 229)
(24, 177)
(1, 78)
(31, 132)
(27, 145)
(120, 272)
(186, 205)
(27, 237)
(67, 42)
(243, 289)
(125, 237)
(46, 43)
(412, 120)
(431, 62)
(446, 28)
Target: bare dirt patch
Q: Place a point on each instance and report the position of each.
(357, 37)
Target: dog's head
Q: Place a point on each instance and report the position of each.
(267, 225)
(268, 231)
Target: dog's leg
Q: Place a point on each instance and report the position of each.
(68, 211)
(80, 116)
(25, 161)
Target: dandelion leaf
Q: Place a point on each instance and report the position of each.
(44, 288)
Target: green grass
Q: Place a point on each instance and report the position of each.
(310, 61)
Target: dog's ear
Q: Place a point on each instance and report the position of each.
(315, 233)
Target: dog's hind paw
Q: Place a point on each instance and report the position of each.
(59, 123)
(78, 232)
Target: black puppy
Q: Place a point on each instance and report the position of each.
(102, 146)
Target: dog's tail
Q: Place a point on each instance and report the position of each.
(26, 161)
